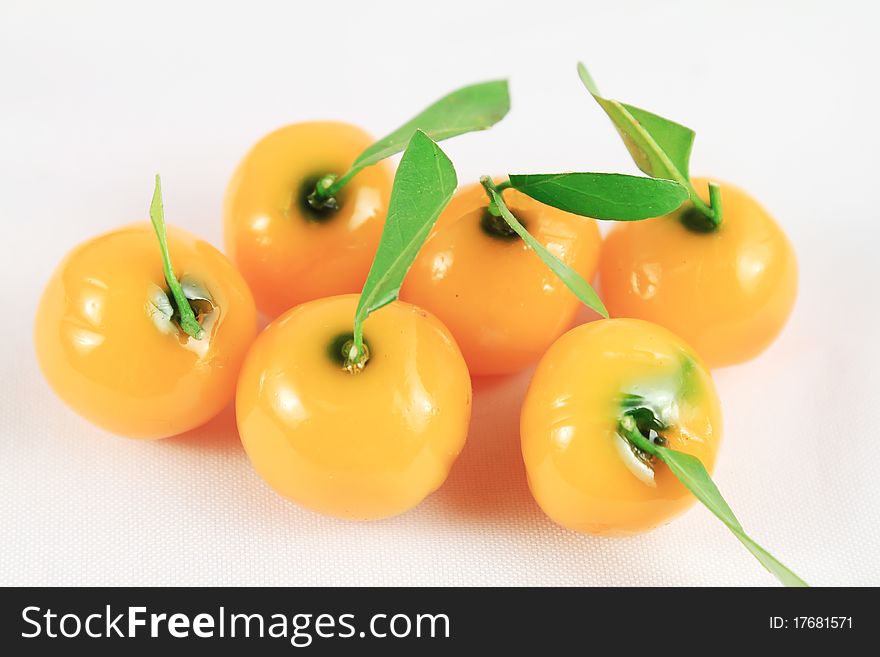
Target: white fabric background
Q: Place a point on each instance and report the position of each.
(95, 98)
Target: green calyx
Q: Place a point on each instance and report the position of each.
(695, 218)
(343, 353)
(494, 225)
(492, 222)
(696, 222)
(318, 203)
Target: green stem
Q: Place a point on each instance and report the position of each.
(698, 202)
(711, 212)
(715, 203)
(702, 218)
(628, 428)
(493, 208)
(188, 320)
(489, 186)
(321, 197)
(355, 352)
(339, 183)
(328, 186)
(354, 356)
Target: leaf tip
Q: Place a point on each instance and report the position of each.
(504, 83)
(587, 79)
(156, 201)
(503, 106)
(439, 153)
(420, 135)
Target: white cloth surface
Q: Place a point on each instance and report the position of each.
(96, 97)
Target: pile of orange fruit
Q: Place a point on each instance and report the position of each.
(687, 291)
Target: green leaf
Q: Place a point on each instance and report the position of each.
(475, 107)
(574, 281)
(423, 185)
(660, 147)
(673, 138)
(691, 472)
(603, 195)
(188, 321)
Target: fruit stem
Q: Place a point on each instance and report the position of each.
(340, 182)
(324, 195)
(493, 222)
(328, 187)
(354, 358)
(629, 429)
(500, 187)
(715, 203)
(355, 350)
(488, 184)
(708, 217)
(188, 320)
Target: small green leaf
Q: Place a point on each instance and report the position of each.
(574, 281)
(587, 79)
(423, 185)
(475, 107)
(673, 138)
(603, 195)
(691, 472)
(660, 147)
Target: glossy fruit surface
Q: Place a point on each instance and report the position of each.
(359, 445)
(728, 293)
(582, 474)
(287, 251)
(108, 347)
(499, 300)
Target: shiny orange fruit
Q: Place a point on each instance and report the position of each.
(728, 292)
(582, 473)
(499, 300)
(354, 444)
(109, 344)
(288, 251)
